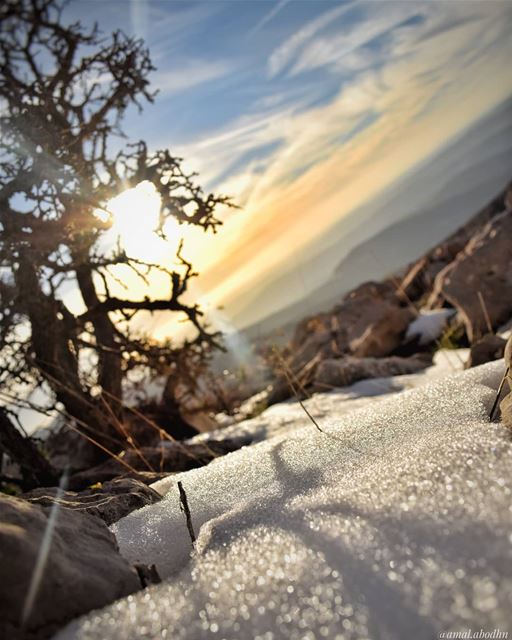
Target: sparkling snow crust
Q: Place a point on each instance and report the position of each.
(394, 523)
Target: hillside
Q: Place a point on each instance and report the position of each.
(379, 238)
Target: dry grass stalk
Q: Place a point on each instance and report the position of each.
(485, 312)
(500, 389)
(121, 429)
(129, 439)
(164, 435)
(289, 375)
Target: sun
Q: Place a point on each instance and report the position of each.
(135, 215)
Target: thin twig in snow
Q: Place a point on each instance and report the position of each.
(184, 507)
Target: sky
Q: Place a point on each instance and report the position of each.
(303, 109)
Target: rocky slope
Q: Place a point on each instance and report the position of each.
(470, 273)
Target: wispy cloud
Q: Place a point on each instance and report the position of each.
(355, 34)
(285, 53)
(393, 109)
(415, 50)
(189, 74)
(139, 17)
(270, 15)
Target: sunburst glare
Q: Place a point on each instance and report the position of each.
(135, 214)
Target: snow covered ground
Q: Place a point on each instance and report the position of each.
(429, 325)
(289, 416)
(394, 523)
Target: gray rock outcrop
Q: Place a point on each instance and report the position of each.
(110, 502)
(420, 276)
(345, 371)
(478, 283)
(83, 569)
(370, 322)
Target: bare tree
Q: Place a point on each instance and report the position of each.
(63, 93)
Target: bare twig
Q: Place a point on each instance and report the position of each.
(184, 507)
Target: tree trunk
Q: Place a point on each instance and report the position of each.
(55, 357)
(110, 374)
(36, 471)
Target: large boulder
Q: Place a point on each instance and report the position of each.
(110, 501)
(81, 571)
(478, 283)
(340, 331)
(345, 371)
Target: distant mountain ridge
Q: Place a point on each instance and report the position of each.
(390, 233)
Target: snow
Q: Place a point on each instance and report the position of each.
(429, 325)
(394, 523)
(289, 416)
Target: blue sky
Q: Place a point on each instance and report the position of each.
(304, 109)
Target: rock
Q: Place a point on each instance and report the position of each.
(201, 396)
(20, 458)
(478, 283)
(345, 371)
(387, 324)
(372, 319)
(508, 353)
(506, 403)
(66, 448)
(83, 569)
(419, 278)
(421, 275)
(506, 410)
(487, 349)
(370, 322)
(330, 335)
(148, 574)
(200, 420)
(110, 502)
(144, 426)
